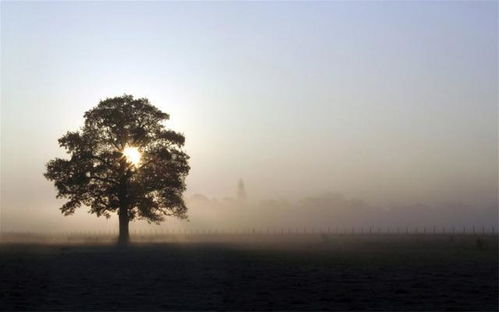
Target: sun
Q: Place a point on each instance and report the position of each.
(132, 155)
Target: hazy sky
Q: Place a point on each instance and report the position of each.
(390, 102)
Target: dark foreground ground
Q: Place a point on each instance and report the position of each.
(315, 272)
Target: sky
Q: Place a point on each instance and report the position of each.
(393, 103)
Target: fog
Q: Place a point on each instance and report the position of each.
(331, 212)
(334, 212)
(334, 114)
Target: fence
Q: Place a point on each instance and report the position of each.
(153, 234)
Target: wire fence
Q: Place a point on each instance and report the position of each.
(269, 231)
(329, 230)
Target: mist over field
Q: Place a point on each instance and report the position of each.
(332, 212)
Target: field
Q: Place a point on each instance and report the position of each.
(255, 272)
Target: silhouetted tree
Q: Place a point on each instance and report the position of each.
(99, 174)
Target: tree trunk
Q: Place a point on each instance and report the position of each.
(124, 237)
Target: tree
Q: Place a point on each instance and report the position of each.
(123, 160)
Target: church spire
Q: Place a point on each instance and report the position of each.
(241, 191)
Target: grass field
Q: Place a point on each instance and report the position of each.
(259, 272)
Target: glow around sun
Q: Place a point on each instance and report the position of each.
(132, 155)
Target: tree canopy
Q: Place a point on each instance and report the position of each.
(99, 175)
